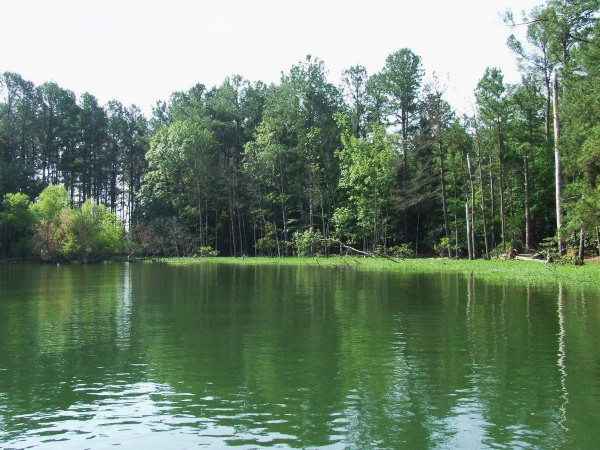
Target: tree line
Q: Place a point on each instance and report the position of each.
(380, 163)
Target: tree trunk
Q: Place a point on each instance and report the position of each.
(557, 171)
(527, 210)
(254, 232)
(241, 230)
(468, 230)
(581, 244)
(417, 231)
(485, 237)
(232, 243)
(277, 241)
(404, 166)
(283, 212)
(216, 229)
(455, 216)
(501, 172)
(547, 106)
(444, 202)
(472, 206)
(493, 204)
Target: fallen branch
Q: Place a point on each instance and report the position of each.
(525, 258)
(369, 254)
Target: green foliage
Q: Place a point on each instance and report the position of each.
(179, 165)
(50, 203)
(548, 247)
(402, 76)
(98, 234)
(490, 95)
(367, 174)
(246, 168)
(267, 245)
(441, 248)
(401, 251)
(571, 257)
(17, 221)
(345, 224)
(56, 232)
(308, 242)
(55, 240)
(207, 252)
(16, 213)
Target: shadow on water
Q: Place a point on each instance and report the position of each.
(153, 354)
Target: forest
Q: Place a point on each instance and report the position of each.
(380, 163)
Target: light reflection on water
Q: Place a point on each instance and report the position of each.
(144, 414)
(176, 357)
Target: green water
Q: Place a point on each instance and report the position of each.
(160, 356)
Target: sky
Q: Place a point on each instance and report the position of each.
(140, 51)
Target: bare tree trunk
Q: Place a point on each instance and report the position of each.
(557, 170)
(493, 203)
(455, 219)
(200, 222)
(527, 210)
(466, 193)
(485, 236)
(244, 234)
(404, 167)
(216, 229)
(324, 226)
(581, 244)
(444, 202)
(254, 233)
(468, 230)
(205, 224)
(283, 212)
(502, 212)
(417, 231)
(277, 241)
(240, 229)
(547, 106)
(472, 206)
(233, 243)
(404, 151)
(284, 220)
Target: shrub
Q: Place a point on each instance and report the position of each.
(441, 248)
(207, 251)
(549, 247)
(571, 257)
(401, 251)
(55, 240)
(50, 203)
(16, 216)
(308, 242)
(145, 239)
(267, 245)
(98, 233)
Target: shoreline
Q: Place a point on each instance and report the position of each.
(500, 270)
(532, 272)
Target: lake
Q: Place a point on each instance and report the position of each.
(179, 356)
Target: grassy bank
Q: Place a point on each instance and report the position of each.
(522, 271)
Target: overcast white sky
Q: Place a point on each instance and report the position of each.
(139, 51)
